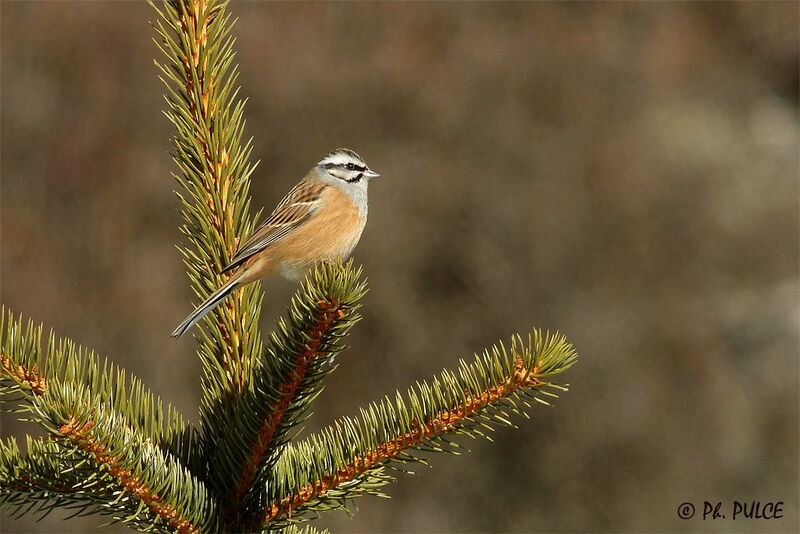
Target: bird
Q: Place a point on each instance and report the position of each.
(320, 219)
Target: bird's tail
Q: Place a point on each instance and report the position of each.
(209, 304)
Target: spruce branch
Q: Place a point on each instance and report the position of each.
(20, 355)
(100, 424)
(179, 515)
(214, 169)
(299, 357)
(45, 478)
(51, 475)
(351, 457)
(30, 368)
(154, 486)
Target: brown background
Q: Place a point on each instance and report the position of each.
(625, 173)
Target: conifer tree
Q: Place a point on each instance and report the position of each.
(114, 448)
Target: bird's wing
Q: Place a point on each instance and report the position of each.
(296, 207)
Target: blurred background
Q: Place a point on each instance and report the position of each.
(625, 173)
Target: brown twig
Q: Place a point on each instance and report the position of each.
(28, 377)
(28, 483)
(331, 311)
(79, 434)
(441, 424)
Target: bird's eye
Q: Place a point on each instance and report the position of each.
(351, 167)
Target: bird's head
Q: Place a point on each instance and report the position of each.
(345, 165)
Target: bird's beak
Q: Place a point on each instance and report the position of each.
(369, 173)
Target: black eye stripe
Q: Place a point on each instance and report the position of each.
(348, 166)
